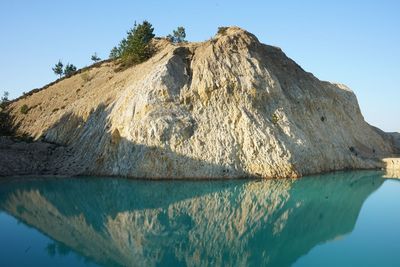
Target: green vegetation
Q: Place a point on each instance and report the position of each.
(136, 47)
(58, 68)
(95, 58)
(86, 77)
(24, 109)
(69, 70)
(4, 100)
(275, 118)
(222, 30)
(115, 53)
(178, 35)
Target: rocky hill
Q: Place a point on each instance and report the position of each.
(225, 108)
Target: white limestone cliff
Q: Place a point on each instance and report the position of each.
(225, 108)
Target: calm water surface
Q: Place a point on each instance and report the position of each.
(342, 219)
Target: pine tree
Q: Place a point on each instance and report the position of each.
(58, 68)
(69, 70)
(136, 47)
(4, 100)
(179, 35)
(95, 58)
(114, 53)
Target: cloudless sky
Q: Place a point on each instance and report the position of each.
(352, 42)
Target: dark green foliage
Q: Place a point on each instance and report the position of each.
(4, 100)
(6, 128)
(69, 70)
(95, 58)
(222, 30)
(24, 109)
(275, 118)
(58, 68)
(114, 53)
(178, 35)
(135, 48)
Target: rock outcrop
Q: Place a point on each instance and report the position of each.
(225, 108)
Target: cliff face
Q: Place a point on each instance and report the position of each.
(228, 107)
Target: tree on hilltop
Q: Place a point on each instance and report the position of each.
(4, 99)
(95, 58)
(114, 53)
(178, 35)
(136, 47)
(69, 70)
(58, 68)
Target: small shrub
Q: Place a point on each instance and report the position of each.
(24, 109)
(69, 70)
(222, 30)
(275, 118)
(4, 100)
(6, 128)
(86, 77)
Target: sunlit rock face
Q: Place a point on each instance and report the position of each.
(231, 223)
(228, 107)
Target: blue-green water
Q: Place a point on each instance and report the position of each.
(342, 219)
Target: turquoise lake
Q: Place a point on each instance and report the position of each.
(340, 219)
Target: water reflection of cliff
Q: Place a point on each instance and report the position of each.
(137, 223)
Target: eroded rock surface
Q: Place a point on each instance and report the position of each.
(229, 107)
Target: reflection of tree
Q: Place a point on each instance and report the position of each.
(57, 248)
(51, 249)
(122, 222)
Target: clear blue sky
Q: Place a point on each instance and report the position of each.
(352, 42)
